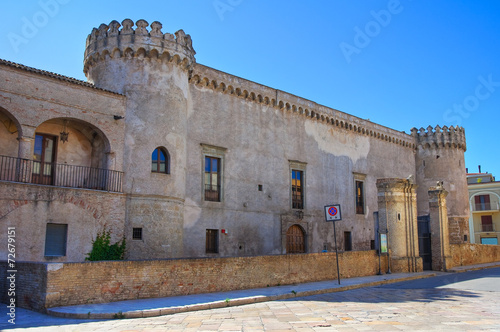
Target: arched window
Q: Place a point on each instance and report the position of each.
(160, 161)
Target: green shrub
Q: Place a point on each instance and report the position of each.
(102, 250)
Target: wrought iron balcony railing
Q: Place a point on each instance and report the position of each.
(487, 228)
(490, 206)
(59, 175)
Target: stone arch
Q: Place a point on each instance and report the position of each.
(10, 131)
(140, 53)
(116, 53)
(195, 79)
(221, 87)
(87, 145)
(153, 54)
(295, 240)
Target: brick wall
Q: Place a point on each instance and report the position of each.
(29, 284)
(45, 285)
(469, 254)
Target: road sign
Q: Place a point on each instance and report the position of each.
(332, 212)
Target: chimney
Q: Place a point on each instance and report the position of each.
(479, 168)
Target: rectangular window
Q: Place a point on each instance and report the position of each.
(482, 202)
(55, 239)
(212, 241)
(212, 179)
(360, 198)
(136, 233)
(212, 172)
(347, 241)
(297, 189)
(487, 224)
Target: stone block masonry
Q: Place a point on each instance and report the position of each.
(469, 254)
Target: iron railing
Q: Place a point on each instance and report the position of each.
(490, 206)
(487, 228)
(60, 175)
(212, 193)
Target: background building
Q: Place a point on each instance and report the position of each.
(484, 198)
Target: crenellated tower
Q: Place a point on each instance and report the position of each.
(152, 69)
(440, 158)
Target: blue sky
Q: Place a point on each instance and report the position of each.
(402, 64)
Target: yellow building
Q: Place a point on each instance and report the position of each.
(484, 200)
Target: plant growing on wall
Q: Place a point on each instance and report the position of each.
(103, 250)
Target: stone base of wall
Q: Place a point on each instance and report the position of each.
(44, 285)
(406, 264)
(470, 254)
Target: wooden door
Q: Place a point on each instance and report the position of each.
(295, 242)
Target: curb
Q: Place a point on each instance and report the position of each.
(227, 302)
(461, 269)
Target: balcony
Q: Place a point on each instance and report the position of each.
(487, 228)
(59, 175)
(482, 207)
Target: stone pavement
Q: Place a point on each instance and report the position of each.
(387, 307)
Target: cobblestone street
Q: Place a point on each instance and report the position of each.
(446, 303)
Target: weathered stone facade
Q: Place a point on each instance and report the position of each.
(279, 159)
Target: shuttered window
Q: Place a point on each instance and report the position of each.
(55, 239)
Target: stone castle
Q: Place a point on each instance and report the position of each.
(184, 160)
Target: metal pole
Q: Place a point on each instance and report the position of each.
(336, 251)
(379, 254)
(388, 252)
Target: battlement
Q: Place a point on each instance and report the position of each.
(111, 41)
(440, 137)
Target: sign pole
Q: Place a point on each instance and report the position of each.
(333, 214)
(336, 252)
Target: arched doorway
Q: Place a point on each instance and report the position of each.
(295, 240)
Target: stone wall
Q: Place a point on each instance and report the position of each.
(468, 254)
(29, 208)
(45, 285)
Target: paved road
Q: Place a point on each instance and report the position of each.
(453, 302)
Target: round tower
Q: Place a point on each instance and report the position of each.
(151, 69)
(440, 158)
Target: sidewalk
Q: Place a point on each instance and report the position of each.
(170, 305)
